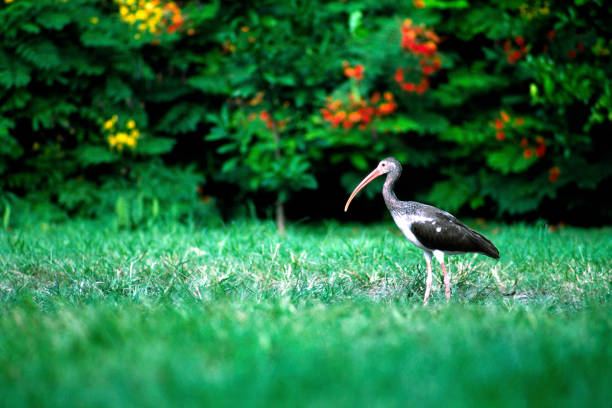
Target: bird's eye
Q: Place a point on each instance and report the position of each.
(382, 164)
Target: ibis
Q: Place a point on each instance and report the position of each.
(435, 231)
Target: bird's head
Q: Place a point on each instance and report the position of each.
(388, 165)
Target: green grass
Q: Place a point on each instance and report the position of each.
(331, 315)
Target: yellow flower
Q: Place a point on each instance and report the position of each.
(8, 1)
(135, 133)
(123, 11)
(130, 142)
(112, 141)
(131, 124)
(109, 124)
(94, 20)
(121, 137)
(141, 15)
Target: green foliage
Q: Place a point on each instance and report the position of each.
(516, 105)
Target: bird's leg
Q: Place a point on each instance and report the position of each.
(440, 257)
(446, 281)
(429, 280)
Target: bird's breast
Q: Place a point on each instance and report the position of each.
(404, 223)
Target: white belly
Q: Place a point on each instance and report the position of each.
(404, 223)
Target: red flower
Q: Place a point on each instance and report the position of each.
(326, 115)
(553, 174)
(524, 142)
(571, 54)
(499, 124)
(541, 150)
(399, 75)
(519, 40)
(550, 35)
(514, 56)
(500, 136)
(359, 72)
(527, 153)
(580, 46)
(408, 87)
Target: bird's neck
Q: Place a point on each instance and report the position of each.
(388, 194)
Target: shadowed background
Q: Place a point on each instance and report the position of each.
(191, 110)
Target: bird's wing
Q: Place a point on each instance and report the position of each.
(438, 229)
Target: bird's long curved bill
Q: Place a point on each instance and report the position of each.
(361, 185)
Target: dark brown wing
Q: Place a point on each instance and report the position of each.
(441, 230)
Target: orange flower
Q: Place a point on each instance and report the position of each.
(339, 116)
(353, 72)
(354, 117)
(505, 117)
(375, 97)
(386, 108)
(335, 105)
(388, 96)
(419, 4)
(519, 121)
(527, 153)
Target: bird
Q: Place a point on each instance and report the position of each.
(435, 231)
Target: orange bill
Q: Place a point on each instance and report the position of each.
(361, 185)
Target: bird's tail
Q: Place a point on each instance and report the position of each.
(485, 246)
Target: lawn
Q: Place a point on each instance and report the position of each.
(332, 315)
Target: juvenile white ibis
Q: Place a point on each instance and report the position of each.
(435, 231)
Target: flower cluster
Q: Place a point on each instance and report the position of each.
(120, 137)
(423, 44)
(502, 122)
(539, 149)
(534, 9)
(514, 54)
(353, 72)
(358, 111)
(151, 15)
(267, 119)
